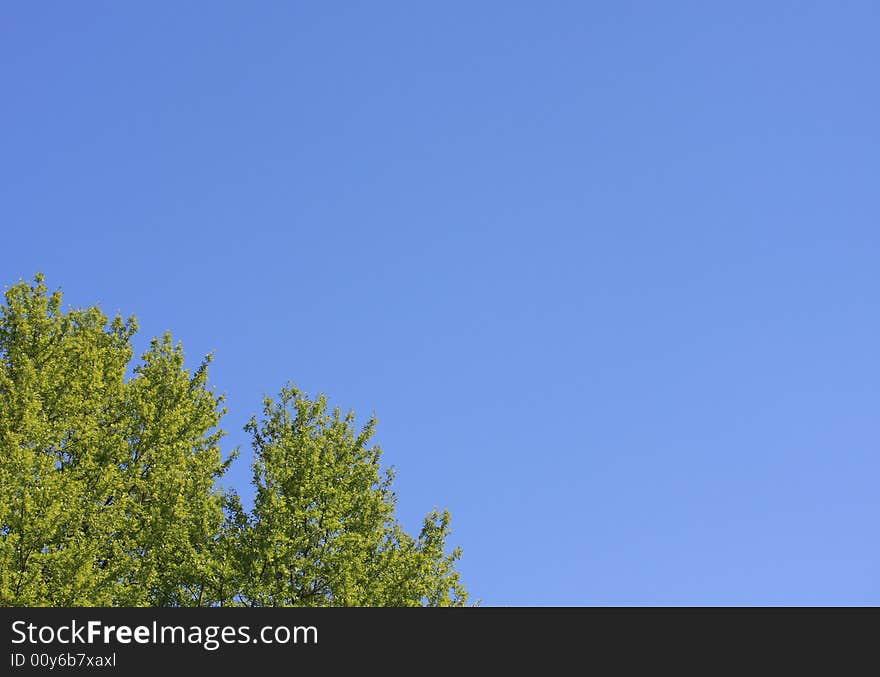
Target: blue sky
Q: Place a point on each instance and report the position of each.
(606, 271)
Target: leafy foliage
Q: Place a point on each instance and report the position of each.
(109, 485)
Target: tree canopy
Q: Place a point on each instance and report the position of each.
(110, 483)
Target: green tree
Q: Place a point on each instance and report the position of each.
(109, 483)
(322, 531)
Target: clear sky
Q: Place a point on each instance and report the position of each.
(608, 272)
